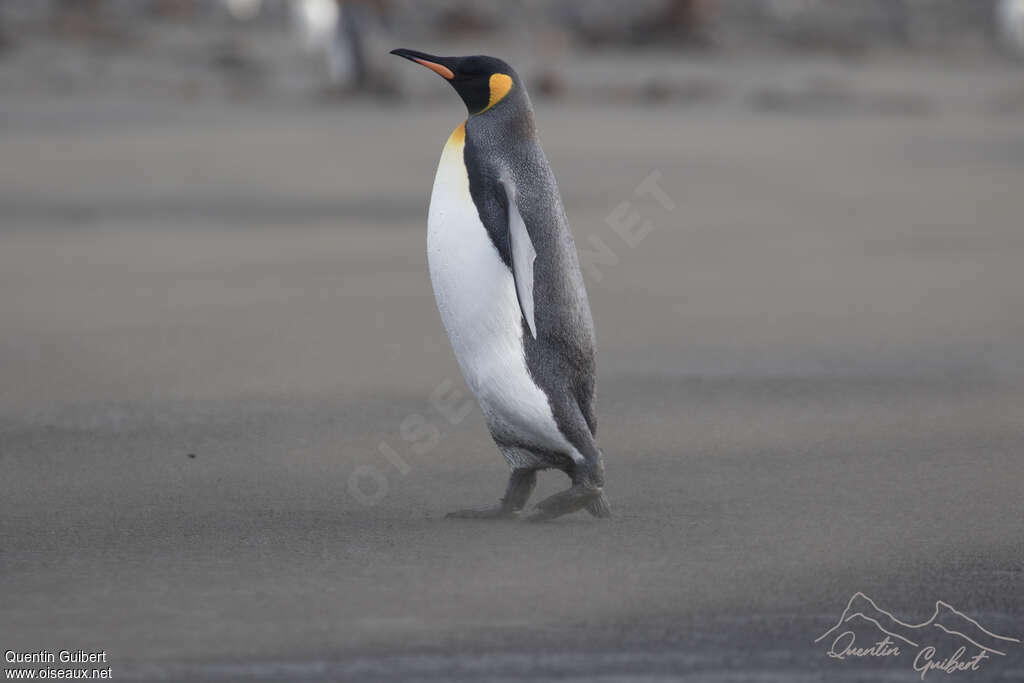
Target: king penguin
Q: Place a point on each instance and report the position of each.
(507, 282)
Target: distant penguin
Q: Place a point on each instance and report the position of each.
(508, 286)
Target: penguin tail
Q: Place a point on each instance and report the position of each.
(599, 507)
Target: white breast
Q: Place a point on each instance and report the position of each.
(476, 296)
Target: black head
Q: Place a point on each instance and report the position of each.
(482, 82)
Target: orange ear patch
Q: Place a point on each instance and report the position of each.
(434, 66)
(499, 85)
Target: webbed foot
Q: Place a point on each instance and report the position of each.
(520, 485)
(575, 498)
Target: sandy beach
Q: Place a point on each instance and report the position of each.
(218, 332)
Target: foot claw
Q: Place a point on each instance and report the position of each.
(599, 507)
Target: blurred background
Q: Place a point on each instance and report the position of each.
(290, 49)
(220, 357)
(169, 138)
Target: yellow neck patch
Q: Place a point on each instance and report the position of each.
(499, 84)
(458, 135)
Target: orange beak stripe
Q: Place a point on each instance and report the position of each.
(434, 66)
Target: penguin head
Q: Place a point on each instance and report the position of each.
(482, 82)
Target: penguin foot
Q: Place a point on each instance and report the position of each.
(572, 499)
(599, 507)
(498, 511)
(520, 485)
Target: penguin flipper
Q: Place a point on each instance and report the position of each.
(522, 254)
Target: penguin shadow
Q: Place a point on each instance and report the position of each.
(582, 500)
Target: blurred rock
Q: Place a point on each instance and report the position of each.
(548, 83)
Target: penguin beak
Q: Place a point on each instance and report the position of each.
(440, 65)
